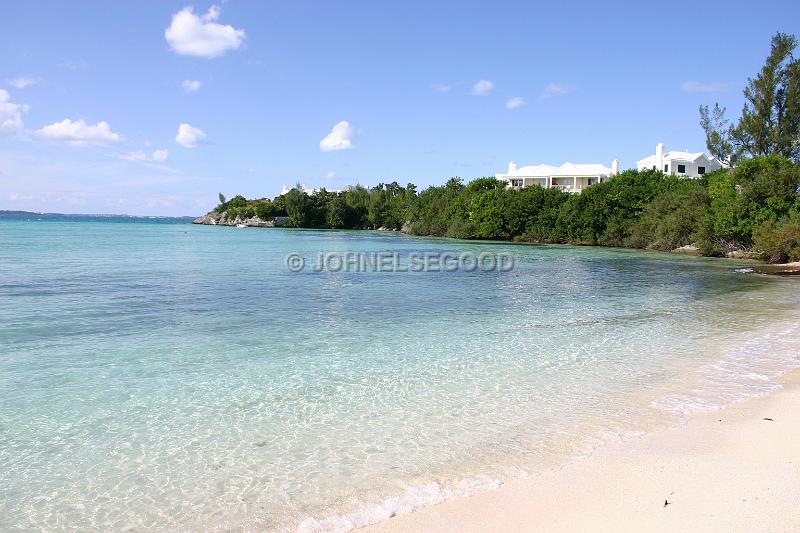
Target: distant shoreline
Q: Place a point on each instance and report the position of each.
(20, 214)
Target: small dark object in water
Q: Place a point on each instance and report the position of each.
(769, 419)
(666, 503)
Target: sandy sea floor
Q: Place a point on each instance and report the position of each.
(736, 469)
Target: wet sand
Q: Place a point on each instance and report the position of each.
(737, 469)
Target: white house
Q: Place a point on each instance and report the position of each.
(569, 177)
(687, 164)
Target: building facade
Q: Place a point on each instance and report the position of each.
(569, 177)
(685, 164)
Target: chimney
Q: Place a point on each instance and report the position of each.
(660, 157)
(512, 167)
(615, 167)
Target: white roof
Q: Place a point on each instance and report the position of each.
(567, 169)
(673, 154)
(582, 169)
(534, 171)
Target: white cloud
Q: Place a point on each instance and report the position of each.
(482, 88)
(79, 133)
(134, 156)
(700, 87)
(515, 102)
(23, 81)
(158, 156)
(17, 197)
(189, 136)
(10, 114)
(330, 175)
(340, 138)
(557, 89)
(190, 86)
(441, 87)
(195, 35)
(75, 65)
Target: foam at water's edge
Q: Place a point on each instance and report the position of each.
(417, 497)
(413, 499)
(746, 371)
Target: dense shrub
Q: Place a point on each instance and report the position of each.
(757, 201)
(778, 242)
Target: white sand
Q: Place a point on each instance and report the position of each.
(729, 470)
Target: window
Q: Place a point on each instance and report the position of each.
(701, 170)
(516, 183)
(592, 181)
(681, 169)
(666, 168)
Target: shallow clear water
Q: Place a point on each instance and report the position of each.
(169, 376)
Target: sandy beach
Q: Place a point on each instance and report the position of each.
(737, 469)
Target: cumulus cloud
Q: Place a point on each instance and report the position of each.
(23, 81)
(200, 35)
(189, 136)
(79, 133)
(158, 156)
(482, 88)
(700, 87)
(441, 87)
(557, 89)
(515, 102)
(340, 138)
(10, 114)
(190, 86)
(330, 175)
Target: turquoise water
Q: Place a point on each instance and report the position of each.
(170, 376)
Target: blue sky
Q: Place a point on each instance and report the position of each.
(92, 94)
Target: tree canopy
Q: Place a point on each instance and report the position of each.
(770, 120)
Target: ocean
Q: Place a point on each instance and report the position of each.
(164, 376)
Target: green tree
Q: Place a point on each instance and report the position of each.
(264, 209)
(779, 242)
(336, 216)
(770, 121)
(672, 218)
(487, 214)
(718, 139)
(297, 208)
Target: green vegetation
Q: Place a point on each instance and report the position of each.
(753, 206)
(770, 121)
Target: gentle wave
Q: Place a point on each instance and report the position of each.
(746, 371)
(169, 377)
(749, 370)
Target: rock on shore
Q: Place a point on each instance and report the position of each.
(689, 249)
(217, 219)
(785, 269)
